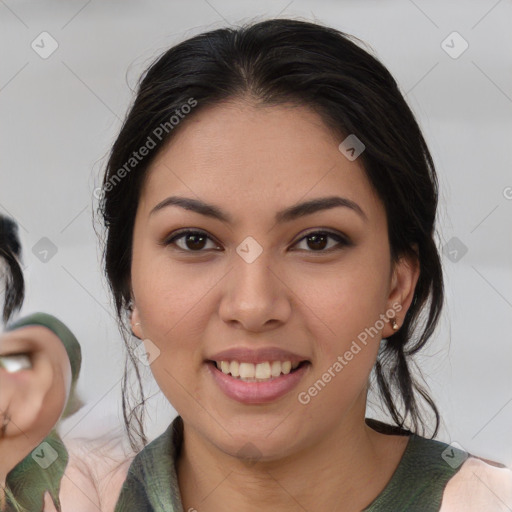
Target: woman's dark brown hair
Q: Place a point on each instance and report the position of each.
(288, 61)
(10, 254)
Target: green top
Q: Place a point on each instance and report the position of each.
(417, 484)
(39, 472)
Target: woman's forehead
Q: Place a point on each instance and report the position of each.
(242, 128)
(236, 153)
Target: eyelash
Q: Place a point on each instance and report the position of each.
(341, 240)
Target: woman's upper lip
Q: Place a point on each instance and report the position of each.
(260, 355)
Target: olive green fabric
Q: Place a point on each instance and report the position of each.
(42, 470)
(151, 483)
(417, 484)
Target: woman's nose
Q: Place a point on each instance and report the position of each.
(254, 295)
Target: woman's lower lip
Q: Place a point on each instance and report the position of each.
(256, 392)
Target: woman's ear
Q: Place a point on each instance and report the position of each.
(135, 321)
(33, 398)
(405, 275)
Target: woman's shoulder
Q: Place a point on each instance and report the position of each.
(466, 482)
(480, 484)
(434, 476)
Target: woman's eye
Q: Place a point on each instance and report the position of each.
(191, 241)
(196, 241)
(318, 241)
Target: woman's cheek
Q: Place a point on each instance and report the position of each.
(350, 339)
(176, 376)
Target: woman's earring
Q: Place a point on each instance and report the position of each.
(394, 325)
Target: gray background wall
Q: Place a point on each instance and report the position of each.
(60, 114)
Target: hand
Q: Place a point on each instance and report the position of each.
(34, 390)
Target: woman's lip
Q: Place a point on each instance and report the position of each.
(256, 392)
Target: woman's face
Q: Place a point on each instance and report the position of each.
(260, 282)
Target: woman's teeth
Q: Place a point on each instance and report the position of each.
(256, 372)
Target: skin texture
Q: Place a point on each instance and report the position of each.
(34, 398)
(253, 161)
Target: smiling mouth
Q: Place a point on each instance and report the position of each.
(260, 372)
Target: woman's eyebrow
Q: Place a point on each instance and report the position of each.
(286, 215)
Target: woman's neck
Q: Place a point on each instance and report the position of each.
(350, 466)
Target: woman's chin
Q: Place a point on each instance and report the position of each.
(252, 445)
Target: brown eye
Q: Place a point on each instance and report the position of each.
(318, 241)
(191, 241)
